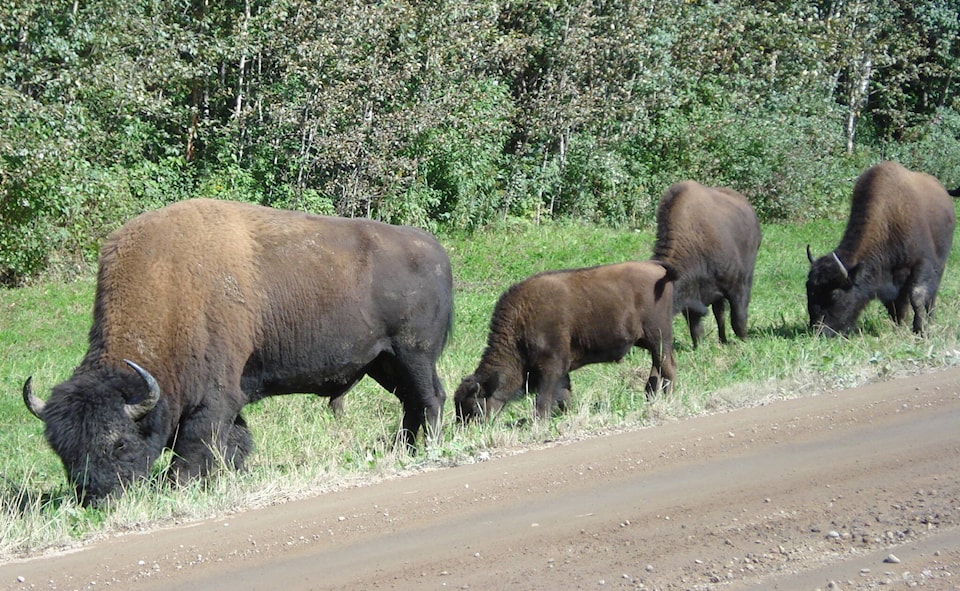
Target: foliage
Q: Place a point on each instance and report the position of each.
(456, 114)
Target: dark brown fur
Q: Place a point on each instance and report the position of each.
(711, 237)
(894, 248)
(225, 303)
(555, 322)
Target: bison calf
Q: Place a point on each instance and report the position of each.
(711, 237)
(555, 322)
(894, 248)
(219, 304)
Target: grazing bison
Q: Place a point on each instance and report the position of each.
(894, 248)
(711, 237)
(555, 322)
(216, 304)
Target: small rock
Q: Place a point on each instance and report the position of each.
(891, 559)
(833, 534)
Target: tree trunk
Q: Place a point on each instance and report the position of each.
(859, 91)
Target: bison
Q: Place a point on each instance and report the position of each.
(216, 304)
(555, 322)
(894, 248)
(711, 237)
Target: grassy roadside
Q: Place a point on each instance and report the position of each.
(302, 450)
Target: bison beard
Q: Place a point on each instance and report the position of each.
(555, 322)
(221, 304)
(894, 249)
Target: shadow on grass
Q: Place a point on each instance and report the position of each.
(786, 331)
(868, 327)
(16, 499)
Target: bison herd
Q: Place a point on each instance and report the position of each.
(205, 306)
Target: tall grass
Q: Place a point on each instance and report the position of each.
(303, 450)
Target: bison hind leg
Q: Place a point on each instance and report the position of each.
(922, 298)
(335, 404)
(695, 323)
(663, 368)
(738, 313)
(720, 314)
(415, 382)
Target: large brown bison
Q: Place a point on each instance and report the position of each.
(555, 322)
(216, 304)
(711, 237)
(894, 248)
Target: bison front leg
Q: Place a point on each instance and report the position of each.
(553, 392)
(562, 402)
(202, 445)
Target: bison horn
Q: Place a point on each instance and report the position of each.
(846, 274)
(809, 255)
(139, 410)
(34, 404)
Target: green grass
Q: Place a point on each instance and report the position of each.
(301, 449)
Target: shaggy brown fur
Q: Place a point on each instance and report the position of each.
(225, 303)
(555, 322)
(711, 237)
(895, 247)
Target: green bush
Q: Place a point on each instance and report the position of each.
(35, 157)
(932, 147)
(461, 160)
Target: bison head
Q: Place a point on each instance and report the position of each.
(100, 424)
(834, 299)
(474, 401)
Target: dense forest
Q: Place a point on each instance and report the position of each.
(453, 114)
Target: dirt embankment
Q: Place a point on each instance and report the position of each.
(857, 489)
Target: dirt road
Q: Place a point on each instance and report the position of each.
(857, 489)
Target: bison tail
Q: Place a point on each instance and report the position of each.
(449, 331)
(671, 272)
(670, 275)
